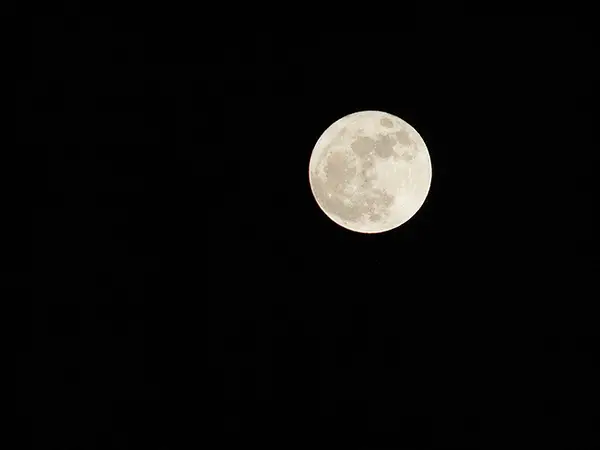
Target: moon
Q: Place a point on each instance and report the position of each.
(370, 172)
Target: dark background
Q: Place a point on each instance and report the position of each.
(185, 284)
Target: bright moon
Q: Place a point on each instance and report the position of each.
(370, 172)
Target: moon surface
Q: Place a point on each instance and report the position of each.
(370, 172)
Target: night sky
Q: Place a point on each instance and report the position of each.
(184, 285)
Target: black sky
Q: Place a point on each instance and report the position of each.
(180, 265)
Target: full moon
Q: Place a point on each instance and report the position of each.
(370, 172)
